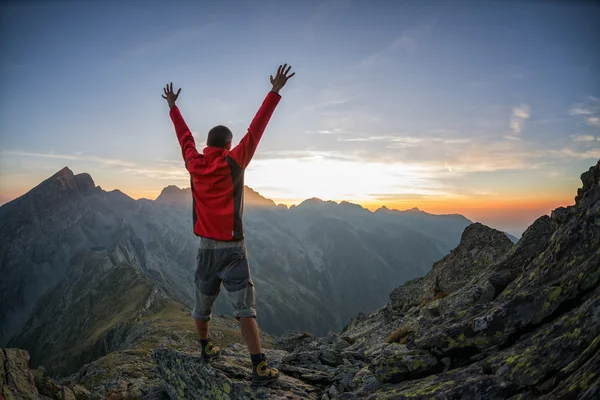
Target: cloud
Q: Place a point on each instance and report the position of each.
(404, 41)
(593, 121)
(169, 170)
(75, 157)
(580, 110)
(520, 114)
(405, 140)
(589, 110)
(585, 138)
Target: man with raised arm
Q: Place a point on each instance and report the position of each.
(217, 180)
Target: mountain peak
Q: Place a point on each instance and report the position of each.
(175, 195)
(64, 172)
(316, 202)
(590, 180)
(66, 180)
(254, 199)
(478, 234)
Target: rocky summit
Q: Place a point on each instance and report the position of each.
(491, 320)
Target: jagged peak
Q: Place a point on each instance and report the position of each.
(175, 195)
(352, 206)
(478, 234)
(64, 172)
(67, 180)
(253, 198)
(590, 180)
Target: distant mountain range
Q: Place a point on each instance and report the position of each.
(315, 265)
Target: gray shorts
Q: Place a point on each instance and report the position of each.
(224, 263)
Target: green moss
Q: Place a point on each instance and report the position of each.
(452, 343)
(418, 363)
(462, 314)
(226, 388)
(584, 383)
(551, 298)
(428, 389)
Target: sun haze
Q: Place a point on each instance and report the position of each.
(487, 109)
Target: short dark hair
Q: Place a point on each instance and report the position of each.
(219, 136)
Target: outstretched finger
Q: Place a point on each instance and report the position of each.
(163, 96)
(278, 71)
(165, 90)
(171, 88)
(288, 77)
(179, 91)
(283, 69)
(287, 70)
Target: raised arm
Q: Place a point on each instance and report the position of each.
(244, 151)
(186, 140)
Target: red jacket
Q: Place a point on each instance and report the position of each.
(217, 175)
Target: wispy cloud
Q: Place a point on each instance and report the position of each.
(74, 157)
(405, 140)
(520, 114)
(169, 169)
(593, 121)
(407, 40)
(589, 110)
(585, 138)
(580, 110)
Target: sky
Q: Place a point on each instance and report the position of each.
(490, 109)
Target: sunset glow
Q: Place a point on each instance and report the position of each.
(447, 108)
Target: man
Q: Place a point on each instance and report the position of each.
(217, 180)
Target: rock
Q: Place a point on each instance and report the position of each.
(187, 376)
(364, 381)
(404, 365)
(531, 298)
(433, 309)
(590, 180)
(560, 215)
(291, 340)
(16, 379)
(81, 393)
(479, 248)
(407, 295)
(466, 384)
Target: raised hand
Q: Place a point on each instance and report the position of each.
(170, 96)
(281, 78)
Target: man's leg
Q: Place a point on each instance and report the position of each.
(208, 285)
(202, 329)
(240, 291)
(250, 334)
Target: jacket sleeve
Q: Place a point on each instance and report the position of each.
(186, 140)
(244, 151)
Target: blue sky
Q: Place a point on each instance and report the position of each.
(491, 109)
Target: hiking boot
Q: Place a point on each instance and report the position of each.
(210, 352)
(262, 374)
